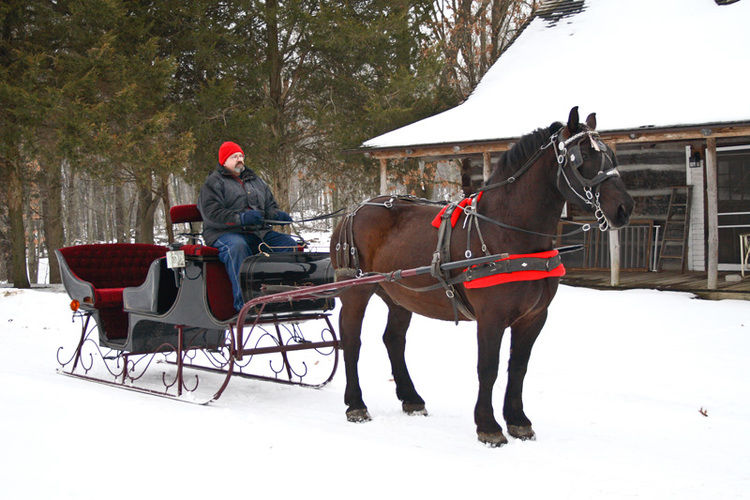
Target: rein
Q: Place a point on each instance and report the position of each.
(565, 156)
(331, 215)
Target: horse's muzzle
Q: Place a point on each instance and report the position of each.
(621, 217)
(616, 203)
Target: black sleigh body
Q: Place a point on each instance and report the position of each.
(136, 307)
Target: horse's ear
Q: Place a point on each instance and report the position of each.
(555, 127)
(591, 121)
(573, 122)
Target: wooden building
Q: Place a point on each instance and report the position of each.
(668, 81)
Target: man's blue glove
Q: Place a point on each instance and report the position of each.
(282, 216)
(251, 218)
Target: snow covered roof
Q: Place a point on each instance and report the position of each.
(636, 63)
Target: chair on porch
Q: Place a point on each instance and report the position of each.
(744, 252)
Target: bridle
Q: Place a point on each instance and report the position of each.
(571, 156)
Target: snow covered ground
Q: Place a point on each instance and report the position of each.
(614, 390)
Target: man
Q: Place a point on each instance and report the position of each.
(235, 205)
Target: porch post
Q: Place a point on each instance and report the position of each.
(614, 245)
(486, 166)
(383, 170)
(614, 257)
(713, 214)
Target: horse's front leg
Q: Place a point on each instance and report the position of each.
(489, 336)
(353, 304)
(394, 339)
(523, 335)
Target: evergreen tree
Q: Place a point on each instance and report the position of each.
(21, 57)
(335, 73)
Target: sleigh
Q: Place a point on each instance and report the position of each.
(161, 320)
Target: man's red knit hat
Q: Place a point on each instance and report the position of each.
(228, 149)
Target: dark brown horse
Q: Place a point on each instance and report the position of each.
(552, 165)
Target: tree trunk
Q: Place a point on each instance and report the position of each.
(164, 192)
(32, 245)
(70, 202)
(17, 233)
(5, 260)
(121, 217)
(52, 210)
(280, 181)
(144, 229)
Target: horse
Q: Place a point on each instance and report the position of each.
(520, 207)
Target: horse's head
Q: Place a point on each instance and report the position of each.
(587, 172)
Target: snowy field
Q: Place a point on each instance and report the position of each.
(614, 390)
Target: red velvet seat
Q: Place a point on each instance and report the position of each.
(107, 297)
(110, 268)
(188, 214)
(218, 286)
(200, 250)
(185, 213)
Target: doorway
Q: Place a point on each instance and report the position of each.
(733, 182)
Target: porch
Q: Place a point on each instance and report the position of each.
(694, 282)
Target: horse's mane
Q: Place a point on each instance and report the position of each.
(522, 150)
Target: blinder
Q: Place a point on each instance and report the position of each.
(575, 157)
(572, 155)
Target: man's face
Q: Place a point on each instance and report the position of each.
(235, 163)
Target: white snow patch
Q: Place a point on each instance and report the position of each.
(614, 389)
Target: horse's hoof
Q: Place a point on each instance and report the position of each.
(524, 432)
(493, 439)
(414, 408)
(358, 416)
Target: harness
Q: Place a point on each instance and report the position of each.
(543, 264)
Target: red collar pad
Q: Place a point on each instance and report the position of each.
(456, 213)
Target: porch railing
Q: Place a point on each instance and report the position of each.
(636, 246)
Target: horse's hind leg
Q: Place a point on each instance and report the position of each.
(353, 304)
(523, 336)
(394, 339)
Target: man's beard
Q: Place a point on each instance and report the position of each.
(238, 167)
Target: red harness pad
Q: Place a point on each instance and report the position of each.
(456, 213)
(497, 279)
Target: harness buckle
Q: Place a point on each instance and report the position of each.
(449, 293)
(388, 204)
